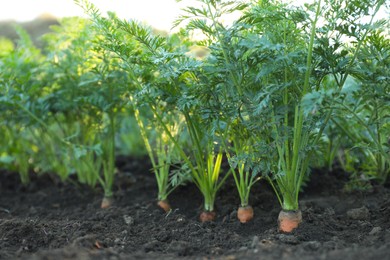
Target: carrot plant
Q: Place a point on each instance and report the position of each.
(256, 93)
(179, 89)
(19, 87)
(225, 104)
(106, 98)
(291, 126)
(368, 108)
(66, 66)
(137, 60)
(162, 155)
(172, 86)
(244, 175)
(85, 101)
(275, 59)
(68, 104)
(345, 43)
(306, 104)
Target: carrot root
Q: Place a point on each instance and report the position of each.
(107, 202)
(245, 214)
(289, 220)
(207, 216)
(164, 204)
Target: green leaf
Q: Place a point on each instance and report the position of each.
(7, 159)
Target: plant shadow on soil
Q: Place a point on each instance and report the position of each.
(51, 220)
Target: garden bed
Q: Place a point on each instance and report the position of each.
(51, 220)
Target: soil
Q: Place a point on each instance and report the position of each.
(51, 220)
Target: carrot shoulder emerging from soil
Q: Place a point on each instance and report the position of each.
(164, 204)
(289, 220)
(107, 202)
(245, 214)
(207, 216)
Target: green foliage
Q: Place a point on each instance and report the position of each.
(139, 53)
(357, 103)
(367, 109)
(69, 103)
(280, 90)
(7, 46)
(279, 74)
(19, 86)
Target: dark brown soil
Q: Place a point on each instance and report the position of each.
(50, 220)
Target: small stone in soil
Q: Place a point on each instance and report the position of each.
(181, 248)
(266, 244)
(359, 213)
(163, 236)
(375, 231)
(128, 220)
(150, 246)
(330, 211)
(255, 242)
(288, 239)
(312, 245)
(216, 251)
(330, 245)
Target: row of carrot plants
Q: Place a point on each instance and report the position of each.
(278, 92)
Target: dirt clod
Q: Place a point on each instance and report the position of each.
(288, 239)
(128, 220)
(359, 213)
(375, 231)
